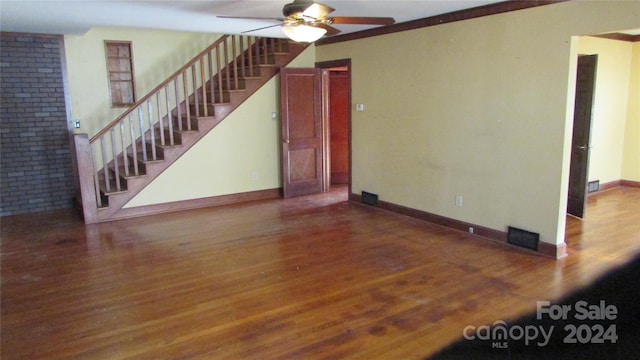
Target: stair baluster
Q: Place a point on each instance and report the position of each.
(134, 147)
(114, 152)
(152, 132)
(163, 141)
(177, 101)
(170, 128)
(142, 137)
(218, 71)
(125, 157)
(185, 88)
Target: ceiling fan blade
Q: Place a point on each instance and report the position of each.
(330, 29)
(250, 18)
(262, 28)
(360, 20)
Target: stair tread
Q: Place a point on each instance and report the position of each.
(133, 176)
(158, 160)
(197, 117)
(228, 90)
(165, 146)
(114, 192)
(114, 189)
(123, 174)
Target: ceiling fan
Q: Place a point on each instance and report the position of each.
(307, 21)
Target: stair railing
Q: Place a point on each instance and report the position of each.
(123, 147)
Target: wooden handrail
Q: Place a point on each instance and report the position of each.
(158, 88)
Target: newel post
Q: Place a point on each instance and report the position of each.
(86, 175)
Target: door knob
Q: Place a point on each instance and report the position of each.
(286, 141)
(584, 147)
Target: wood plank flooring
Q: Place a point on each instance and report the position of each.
(305, 278)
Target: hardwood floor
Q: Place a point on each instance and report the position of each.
(304, 278)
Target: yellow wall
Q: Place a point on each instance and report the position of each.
(631, 159)
(609, 111)
(477, 108)
(156, 55)
(225, 160)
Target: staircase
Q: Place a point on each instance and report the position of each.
(127, 155)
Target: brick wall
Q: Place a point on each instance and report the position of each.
(35, 164)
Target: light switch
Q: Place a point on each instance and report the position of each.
(359, 107)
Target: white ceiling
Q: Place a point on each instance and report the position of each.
(633, 32)
(79, 16)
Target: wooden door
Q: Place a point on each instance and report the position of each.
(578, 171)
(339, 126)
(302, 137)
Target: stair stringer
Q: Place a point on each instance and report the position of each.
(135, 185)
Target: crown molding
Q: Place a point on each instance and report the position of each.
(486, 10)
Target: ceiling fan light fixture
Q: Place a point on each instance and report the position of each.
(303, 33)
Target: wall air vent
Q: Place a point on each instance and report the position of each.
(593, 186)
(369, 198)
(523, 238)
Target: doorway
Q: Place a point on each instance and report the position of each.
(316, 128)
(337, 120)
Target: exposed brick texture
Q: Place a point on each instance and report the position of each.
(35, 165)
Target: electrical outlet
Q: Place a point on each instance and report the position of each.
(471, 230)
(76, 124)
(255, 176)
(459, 200)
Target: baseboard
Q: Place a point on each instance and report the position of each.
(545, 249)
(607, 186)
(198, 203)
(630, 183)
(614, 185)
(552, 250)
(339, 178)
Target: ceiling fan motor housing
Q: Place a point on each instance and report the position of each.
(298, 7)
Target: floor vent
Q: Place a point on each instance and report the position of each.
(369, 198)
(593, 186)
(523, 238)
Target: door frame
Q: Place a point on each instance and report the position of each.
(325, 66)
